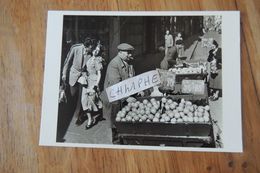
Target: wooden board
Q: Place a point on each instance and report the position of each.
(22, 50)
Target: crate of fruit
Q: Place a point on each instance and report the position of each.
(195, 71)
(172, 116)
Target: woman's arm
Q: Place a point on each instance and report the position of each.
(98, 77)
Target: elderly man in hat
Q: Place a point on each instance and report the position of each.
(118, 70)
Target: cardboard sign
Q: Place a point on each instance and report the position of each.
(167, 79)
(133, 85)
(193, 87)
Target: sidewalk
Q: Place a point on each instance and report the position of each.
(98, 134)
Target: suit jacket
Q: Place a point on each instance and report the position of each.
(74, 63)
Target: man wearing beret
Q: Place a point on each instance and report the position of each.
(118, 70)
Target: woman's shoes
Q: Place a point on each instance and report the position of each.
(94, 120)
(214, 97)
(90, 124)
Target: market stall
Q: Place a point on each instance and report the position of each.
(186, 70)
(185, 78)
(179, 117)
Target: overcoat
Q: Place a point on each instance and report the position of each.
(117, 71)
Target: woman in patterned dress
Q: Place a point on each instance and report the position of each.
(91, 102)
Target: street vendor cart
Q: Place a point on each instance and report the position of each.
(173, 130)
(180, 117)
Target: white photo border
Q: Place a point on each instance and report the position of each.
(231, 79)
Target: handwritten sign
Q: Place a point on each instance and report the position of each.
(167, 79)
(133, 85)
(193, 86)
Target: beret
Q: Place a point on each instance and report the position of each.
(125, 47)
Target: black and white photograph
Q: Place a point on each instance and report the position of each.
(142, 80)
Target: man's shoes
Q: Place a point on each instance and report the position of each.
(100, 118)
(80, 120)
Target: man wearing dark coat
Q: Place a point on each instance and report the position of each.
(118, 70)
(170, 58)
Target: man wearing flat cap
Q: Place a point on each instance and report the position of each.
(118, 70)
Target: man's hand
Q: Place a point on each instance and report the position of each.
(130, 99)
(140, 94)
(63, 78)
(96, 88)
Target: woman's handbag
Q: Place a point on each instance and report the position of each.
(62, 93)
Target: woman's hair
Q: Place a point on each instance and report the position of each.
(101, 50)
(215, 43)
(88, 41)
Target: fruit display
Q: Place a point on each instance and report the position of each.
(189, 70)
(164, 110)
